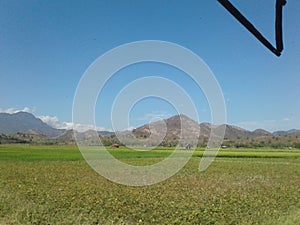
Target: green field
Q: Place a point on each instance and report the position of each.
(54, 185)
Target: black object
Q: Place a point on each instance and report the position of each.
(278, 25)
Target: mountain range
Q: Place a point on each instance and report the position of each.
(26, 123)
(23, 122)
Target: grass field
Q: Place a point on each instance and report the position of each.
(54, 185)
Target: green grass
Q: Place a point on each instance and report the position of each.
(54, 185)
(39, 153)
(72, 153)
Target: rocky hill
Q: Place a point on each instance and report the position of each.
(174, 124)
(171, 127)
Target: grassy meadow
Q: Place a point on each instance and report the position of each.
(54, 185)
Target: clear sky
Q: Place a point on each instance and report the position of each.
(45, 47)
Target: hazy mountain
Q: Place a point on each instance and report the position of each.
(234, 132)
(282, 133)
(24, 122)
(106, 133)
(66, 137)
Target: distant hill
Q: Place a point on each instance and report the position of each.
(105, 133)
(262, 132)
(282, 133)
(234, 136)
(170, 126)
(234, 132)
(23, 122)
(24, 127)
(167, 132)
(174, 129)
(22, 138)
(67, 137)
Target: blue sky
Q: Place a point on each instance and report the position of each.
(46, 46)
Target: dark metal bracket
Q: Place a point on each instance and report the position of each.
(244, 21)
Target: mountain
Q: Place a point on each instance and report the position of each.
(24, 127)
(234, 132)
(173, 125)
(166, 132)
(262, 132)
(66, 137)
(282, 133)
(106, 133)
(234, 136)
(23, 122)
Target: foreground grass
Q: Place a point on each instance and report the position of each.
(54, 185)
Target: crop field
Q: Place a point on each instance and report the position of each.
(54, 185)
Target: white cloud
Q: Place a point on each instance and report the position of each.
(130, 128)
(14, 110)
(52, 121)
(56, 123)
